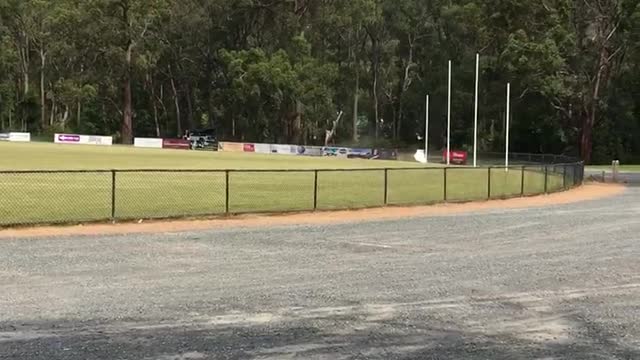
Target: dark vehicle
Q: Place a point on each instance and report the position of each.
(203, 139)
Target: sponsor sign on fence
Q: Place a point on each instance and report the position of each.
(179, 144)
(231, 147)
(83, 139)
(303, 150)
(309, 150)
(455, 157)
(148, 143)
(262, 148)
(384, 154)
(335, 151)
(249, 148)
(360, 153)
(15, 137)
(284, 149)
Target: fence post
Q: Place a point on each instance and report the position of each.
(226, 192)
(564, 177)
(113, 195)
(386, 186)
(489, 183)
(522, 182)
(445, 184)
(315, 190)
(546, 179)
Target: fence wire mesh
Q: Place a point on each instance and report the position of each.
(165, 194)
(415, 186)
(270, 191)
(48, 197)
(466, 184)
(505, 182)
(54, 197)
(351, 189)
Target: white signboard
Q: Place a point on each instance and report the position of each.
(262, 148)
(15, 137)
(284, 149)
(19, 137)
(309, 150)
(147, 143)
(83, 139)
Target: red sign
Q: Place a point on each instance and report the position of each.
(179, 144)
(455, 157)
(249, 148)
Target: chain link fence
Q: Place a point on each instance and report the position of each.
(54, 197)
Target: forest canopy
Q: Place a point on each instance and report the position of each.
(280, 70)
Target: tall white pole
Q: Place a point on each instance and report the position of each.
(449, 118)
(475, 115)
(506, 152)
(426, 132)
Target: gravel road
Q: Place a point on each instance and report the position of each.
(552, 283)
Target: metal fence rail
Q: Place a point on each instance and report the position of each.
(53, 197)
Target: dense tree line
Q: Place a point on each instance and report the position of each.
(280, 70)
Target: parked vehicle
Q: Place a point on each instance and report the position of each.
(202, 139)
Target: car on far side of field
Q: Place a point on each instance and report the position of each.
(202, 139)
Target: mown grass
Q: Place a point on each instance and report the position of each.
(608, 168)
(76, 197)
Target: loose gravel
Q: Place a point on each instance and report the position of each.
(547, 283)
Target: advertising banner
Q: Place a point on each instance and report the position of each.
(335, 151)
(16, 137)
(148, 143)
(231, 147)
(262, 148)
(179, 144)
(284, 149)
(458, 157)
(83, 139)
(309, 150)
(249, 148)
(360, 153)
(384, 154)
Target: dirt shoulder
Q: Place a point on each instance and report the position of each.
(584, 193)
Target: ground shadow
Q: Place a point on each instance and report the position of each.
(397, 338)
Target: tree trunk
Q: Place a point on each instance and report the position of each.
(189, 108)
(155, 109)
(233, 126)
(65, 117)
(165, 112)
(53, 109)
(406, 83)
(356, 101)
(43, 108)
(23, 50)
(79, 114)
(589, 118)
(399, 118)
(375, 100)
(127, 131)
(176, 101)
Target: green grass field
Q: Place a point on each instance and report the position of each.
(624, 168)
(77, 197)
